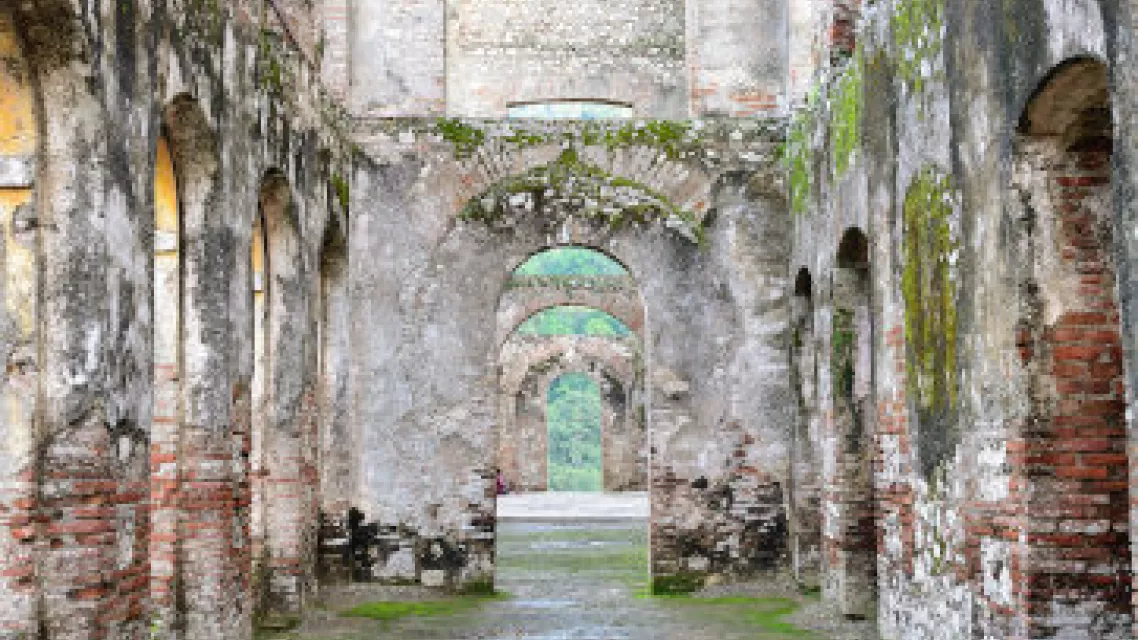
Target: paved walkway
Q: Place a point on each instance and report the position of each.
(562, 506)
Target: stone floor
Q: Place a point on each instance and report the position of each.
(577, 506)
(569, 580)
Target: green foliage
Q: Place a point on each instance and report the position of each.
(574, 418)
(669, 136)
(570, 261)
(929, 288)
(846, 107)
(918, 31)
(574, 321)
(465, 138)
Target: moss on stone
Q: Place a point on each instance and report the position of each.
(797, 159)
(388, 610)
(842, 342)
(343, 191)
(918, 33)
(929, 289)
(677, 584)
(465, 137)
(846, 108)
(612, 200)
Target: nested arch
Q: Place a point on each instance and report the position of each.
(529, 365)
(569, 276)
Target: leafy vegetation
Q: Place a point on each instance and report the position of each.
(574, 418)
(570, 261)
(573, 321)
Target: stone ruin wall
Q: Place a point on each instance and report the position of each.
(88, 452)
(663, 58)
(913, 133)
(432, 305)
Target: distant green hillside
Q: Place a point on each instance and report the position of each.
(573, 321)
(570, 261)
(574, 416)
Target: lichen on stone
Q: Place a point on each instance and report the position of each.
(918, 33)
(846, 102)
(929, 288)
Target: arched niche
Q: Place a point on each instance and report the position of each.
(852, 576)
(1069, 340)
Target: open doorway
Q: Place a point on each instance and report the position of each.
(572, 514)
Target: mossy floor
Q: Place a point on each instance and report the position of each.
(556, 581)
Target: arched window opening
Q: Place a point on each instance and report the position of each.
(259, 283)
(573, 320)
(570, 109)
(337, 446)
(570, 261)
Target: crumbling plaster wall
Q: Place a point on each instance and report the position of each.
(946, 98)
(664, 58)
(715, 335)
(103, 73)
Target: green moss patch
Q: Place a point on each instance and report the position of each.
(918, 32)
(846, 108)
(798, 159)
(842, 354)
(766, 614)
(612, 200)
(388, 610)
(678, 584)
(929, 286)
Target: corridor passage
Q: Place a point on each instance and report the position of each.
(565, 572)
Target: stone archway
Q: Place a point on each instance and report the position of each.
(529, 364)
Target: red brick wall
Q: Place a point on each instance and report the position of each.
(1074, 474)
